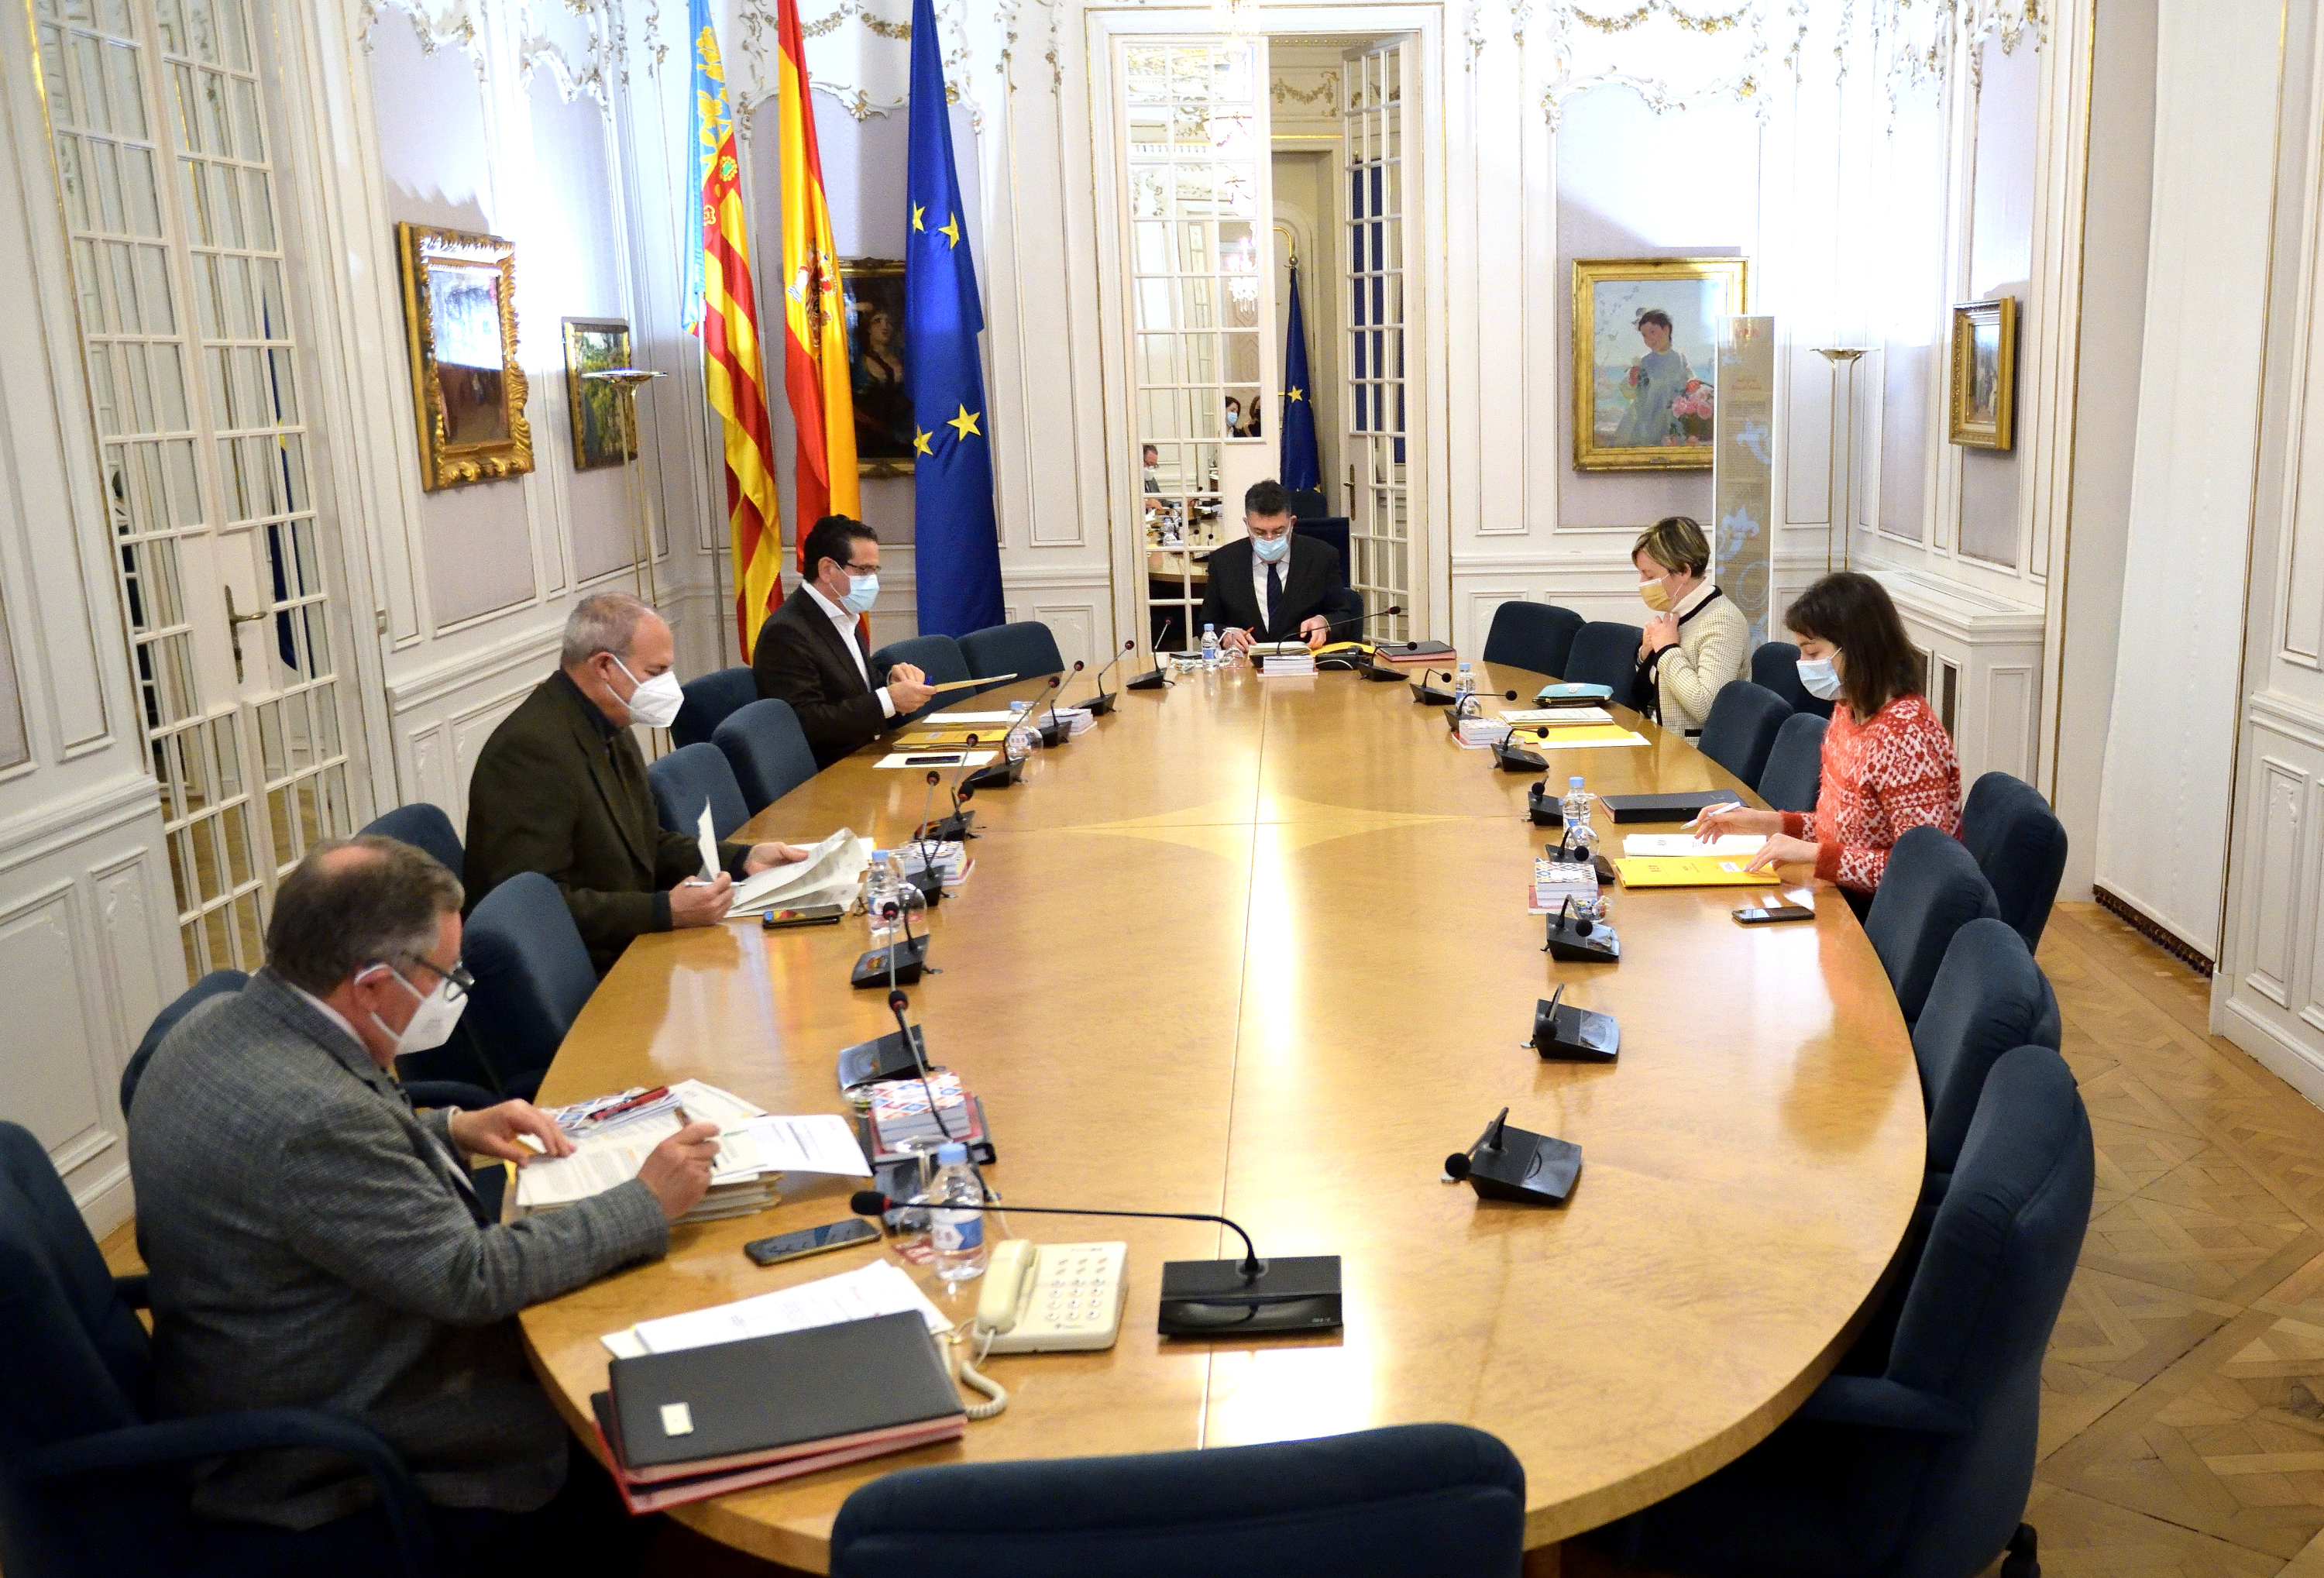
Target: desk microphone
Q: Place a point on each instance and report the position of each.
(1001, 774)
(955, 827)
(896, 1003)
(1202, 1298)
(1098, 705)
(1427, 694)
(1055, 733)
(1517, 1165)
(1343, 660)
(929, 880)
(1153, 679)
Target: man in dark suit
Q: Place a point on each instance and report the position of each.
(1273, 587)
(812, 654)
(560, 788)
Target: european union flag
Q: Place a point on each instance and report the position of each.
(1301, 468)
(958, 558)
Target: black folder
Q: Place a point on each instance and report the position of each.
(1680, 806)
(764, 1394)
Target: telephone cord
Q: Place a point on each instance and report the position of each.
(962, 1338)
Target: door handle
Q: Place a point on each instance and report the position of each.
(234, 624)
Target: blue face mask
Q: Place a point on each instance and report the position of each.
(1271, 549)
(1819, 678)
(862, 591)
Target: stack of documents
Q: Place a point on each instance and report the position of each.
(832, 874)
(1554, 882)
(1482, 734)
(900, 1114)
(1291, 660)
(879, 1289)
(614, 1135)
(1729, 845)
(1557, 717)
(1690, 871)
(951, 858)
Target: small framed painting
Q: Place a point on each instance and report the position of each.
(1646, 339)
(1984, 403)
(873, 289)
(467, 388)
(602, 433)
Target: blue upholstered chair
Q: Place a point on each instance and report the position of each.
(689, 776)
(2020, 846)
(1025, 649)
(937, 656)
(1408, 1499)
(215, 983)
(768, 750)
(423, 827)
(1930, 890)
(1776, 666)
(1538, 636)
(1741, 729)
(1988, 999)
(534, 977)
(709, 702)
(91, 1483)
(1793, 779)
(1605, 653)
(1923, 1469)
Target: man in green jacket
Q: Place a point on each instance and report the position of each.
(560, 788)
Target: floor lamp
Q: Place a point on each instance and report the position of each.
(1840, 472)
(628, 381)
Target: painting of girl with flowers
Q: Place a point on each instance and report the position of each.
(1644, 335)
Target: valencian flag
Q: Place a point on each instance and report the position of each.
(815, 320)
(720, 307)
(1301, 465)
(956, 546)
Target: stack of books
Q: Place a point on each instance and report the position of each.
(1283, 660)
(1554, 882)
(900, 1114)
(686, 1426)
(1482, 734)
(950, 858)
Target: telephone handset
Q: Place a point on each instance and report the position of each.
(1050, 1298)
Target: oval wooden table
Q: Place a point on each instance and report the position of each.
(1258, 947)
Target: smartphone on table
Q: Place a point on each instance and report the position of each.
(812, 1241)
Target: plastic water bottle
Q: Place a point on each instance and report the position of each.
(1465, 692)
(883, 901)
(1579, 835)
(956, 1237)
(1210, 646)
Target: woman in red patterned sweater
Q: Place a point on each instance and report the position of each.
(1887, 762)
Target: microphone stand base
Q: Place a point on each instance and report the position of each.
(1428, 694)
(1526, 1168)
(1098, 705)
(872, 968)
(888, 1057)
(952, 829)
(1213, 1299)
(1600, 946)
(1152, 679)
(1567, 1033)
(996, 775)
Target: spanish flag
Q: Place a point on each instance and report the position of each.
(814, 316)
(722, 309)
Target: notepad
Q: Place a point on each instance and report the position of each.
(1701, 870)
(1585, 738)
(1557, 717)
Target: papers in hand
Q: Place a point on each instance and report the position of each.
(1731, 844)
(831, 874)
(612, 1136)
(879, 1289)
(706, 834)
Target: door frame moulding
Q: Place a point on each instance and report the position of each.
(1427, 330)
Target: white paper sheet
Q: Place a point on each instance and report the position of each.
(1557, 715)
(877, 1289)
(1667, 844)
(837, 862)
(723, 1108)
(707, 835)
(935, 720)
(599, 1162)
(817, 1142)
(936, 758)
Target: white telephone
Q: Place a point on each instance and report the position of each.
(1050, 1298)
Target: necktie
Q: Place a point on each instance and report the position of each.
(1274, 592)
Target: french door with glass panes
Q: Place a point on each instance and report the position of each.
(1378, 85)
(1192, 132)
(165, 162)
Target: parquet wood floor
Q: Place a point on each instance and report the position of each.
(2182, 1412)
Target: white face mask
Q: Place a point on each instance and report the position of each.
(862, 591)
(432, 1022)
(1271, 549)
(655, 702)
(1819, 678)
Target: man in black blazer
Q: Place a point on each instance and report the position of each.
(811, 654)
(1274, 587)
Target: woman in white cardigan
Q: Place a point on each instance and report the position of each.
(1698, 640)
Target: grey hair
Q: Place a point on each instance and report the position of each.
(603, 622)
(332, 917)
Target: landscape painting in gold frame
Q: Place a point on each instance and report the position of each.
(467, 390)
(1984, 400)
(602, 431)
(1646, 355)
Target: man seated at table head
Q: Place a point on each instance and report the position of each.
(314, 1242)
(811, 651)
(1271, 585)
(560, 788)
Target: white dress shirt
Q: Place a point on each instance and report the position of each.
(844, 623)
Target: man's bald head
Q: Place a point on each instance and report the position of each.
(353, 902)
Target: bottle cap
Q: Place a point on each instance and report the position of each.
(1574, 782)
(951, 1153)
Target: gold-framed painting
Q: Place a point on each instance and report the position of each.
(467, 390)
(873, 290)
(601, 430)
(1645, 345)
(1983, 405)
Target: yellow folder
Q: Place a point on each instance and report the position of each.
(1567, 737)
(1690, 871)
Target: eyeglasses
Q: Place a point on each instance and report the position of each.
(456, 979)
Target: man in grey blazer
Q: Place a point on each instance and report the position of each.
(314, 1242)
